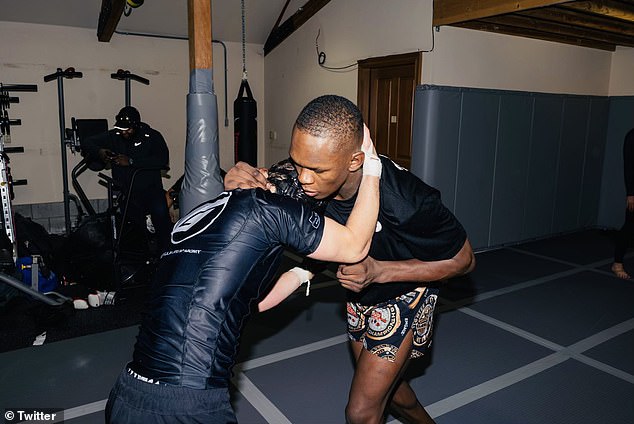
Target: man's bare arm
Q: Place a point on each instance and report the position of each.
(351, 243)
(284, 286)
(358, 276)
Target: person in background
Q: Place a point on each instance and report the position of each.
(625, 236)
(138, 155)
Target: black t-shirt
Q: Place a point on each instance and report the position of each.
(223, 255)
(412, 224)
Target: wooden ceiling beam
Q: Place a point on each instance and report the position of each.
(557, 29)
(280, 32)
(109, 15)
(611, 8)
(448, 12)
(540, 35)
(572, 17)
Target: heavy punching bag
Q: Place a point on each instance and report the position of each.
(245, 126)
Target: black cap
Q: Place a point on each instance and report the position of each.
(128, 117)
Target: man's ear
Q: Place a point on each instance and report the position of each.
(356, 161)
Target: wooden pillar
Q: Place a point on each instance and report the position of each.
(199, 22)
(202, 180)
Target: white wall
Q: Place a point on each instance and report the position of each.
(357, 29)
(469, 58)
(622, 72)
(289, 76)
(350, 30)
(28, 52)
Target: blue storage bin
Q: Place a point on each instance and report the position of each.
(44, 285)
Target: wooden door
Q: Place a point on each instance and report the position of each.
(386, 99)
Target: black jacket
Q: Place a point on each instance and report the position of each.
(146, 148)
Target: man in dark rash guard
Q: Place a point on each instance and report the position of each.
(393, 291)
(222, 257)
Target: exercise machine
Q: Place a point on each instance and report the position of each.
(8, 259)
(102, 249)
(59, 76)
(6, 180)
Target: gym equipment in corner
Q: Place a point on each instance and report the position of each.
(8, 236)
(59, 76)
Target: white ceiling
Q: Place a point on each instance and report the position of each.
(162, 17)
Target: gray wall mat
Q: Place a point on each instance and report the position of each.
(476, 163)
(511, 169)
(542, 167)
(511, 165)
(570, 164)
(439, 162)
(595, 151)
(612, 203)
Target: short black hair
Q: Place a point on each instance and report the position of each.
(333, 117)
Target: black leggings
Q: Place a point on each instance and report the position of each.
(624, 237)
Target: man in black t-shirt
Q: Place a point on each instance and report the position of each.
(417, 243)
(222, 256)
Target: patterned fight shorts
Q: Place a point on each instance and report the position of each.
(383, 327)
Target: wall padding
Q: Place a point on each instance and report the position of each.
(511, 165)
(612, 198)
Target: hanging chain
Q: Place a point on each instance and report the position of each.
(244, 40)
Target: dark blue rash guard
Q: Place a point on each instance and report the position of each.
(223, 255)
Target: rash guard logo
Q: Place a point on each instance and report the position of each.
(199, 219)
(314, 220)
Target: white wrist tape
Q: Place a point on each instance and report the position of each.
(372, 165)
(304, 277)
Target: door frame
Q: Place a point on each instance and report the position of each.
(366, 66)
